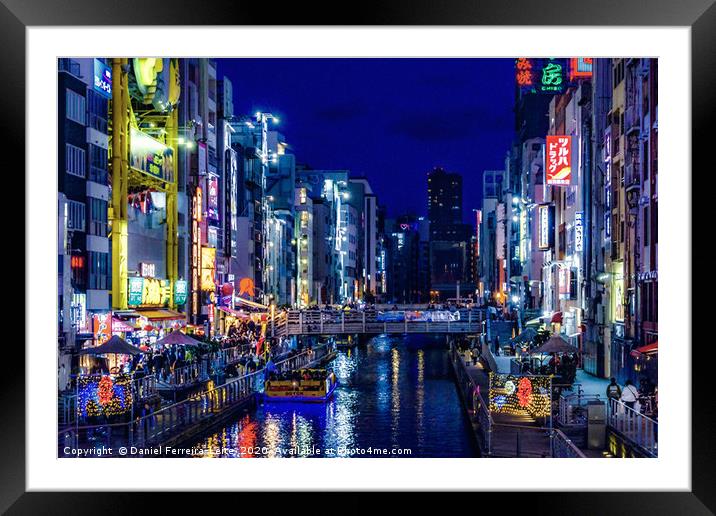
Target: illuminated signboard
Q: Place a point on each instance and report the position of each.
(102, 327)
(545, 227)
(208, 257)
(552, 78)
(618, 293)
(147, 292)
(150, 156)
(202, 158)
(523, 72)
(180, 292)
(563, 281)
(580, 67)
(147, 269)
(135, 291)
(579, 231)
(559, 160)
(520, 395)
(102, 79)
(607, 183)
(212, 198)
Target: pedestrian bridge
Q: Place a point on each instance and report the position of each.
(343, 322)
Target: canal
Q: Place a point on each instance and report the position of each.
(396, 397)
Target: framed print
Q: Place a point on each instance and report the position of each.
(428, 240)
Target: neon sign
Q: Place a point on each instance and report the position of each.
(524, 75)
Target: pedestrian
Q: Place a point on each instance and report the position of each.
(614, 392)
(630, 395)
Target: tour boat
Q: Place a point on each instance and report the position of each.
(309, 385)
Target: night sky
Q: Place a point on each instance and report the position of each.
(390, 120)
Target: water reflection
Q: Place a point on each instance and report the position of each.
(394, 392)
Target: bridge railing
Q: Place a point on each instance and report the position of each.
(322, 322)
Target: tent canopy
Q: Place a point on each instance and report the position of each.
(177, 338)
(556, 344)
(115, 345)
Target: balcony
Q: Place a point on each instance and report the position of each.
(632, 121)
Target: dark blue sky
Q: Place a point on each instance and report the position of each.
(390, 120)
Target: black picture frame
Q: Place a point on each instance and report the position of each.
(699, 15)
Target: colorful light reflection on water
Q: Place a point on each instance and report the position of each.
(395, 394)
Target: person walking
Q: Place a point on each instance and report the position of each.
(630, 394)
(614, 391)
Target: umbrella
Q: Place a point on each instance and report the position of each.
(556, 344)
(526, 336)
(177, 338)
(115, 345)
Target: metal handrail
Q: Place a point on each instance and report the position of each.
(641, 430)
(167, 420)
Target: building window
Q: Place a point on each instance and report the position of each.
(75, 105)
(97, 274)
(98, 164)
(97, 110)
(98, 217)
(74, 160)
(75, 216)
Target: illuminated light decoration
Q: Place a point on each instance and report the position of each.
(532, 396)
(77, 262)
(524, 75)
(105, 390)
(524, 392)
(558, 170)
(104, 395)
(510, 386)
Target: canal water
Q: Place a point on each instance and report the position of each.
(396, 398)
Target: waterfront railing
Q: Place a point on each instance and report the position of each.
(169, 422)
(638, 428)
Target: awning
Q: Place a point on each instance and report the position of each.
(162, 315)
(235, 313)
(250, 303)
(534, 322)
(649, 349)
(557, 317)
(119, 326)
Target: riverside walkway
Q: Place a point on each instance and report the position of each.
(182, 421)
(505, 435)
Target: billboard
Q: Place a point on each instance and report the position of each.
(102, 79)
(579, 231)
(180, 292)
(102, 327)
(545, 227)
(212, 198)
(208, 258)
(150, 156)
(558, 160)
